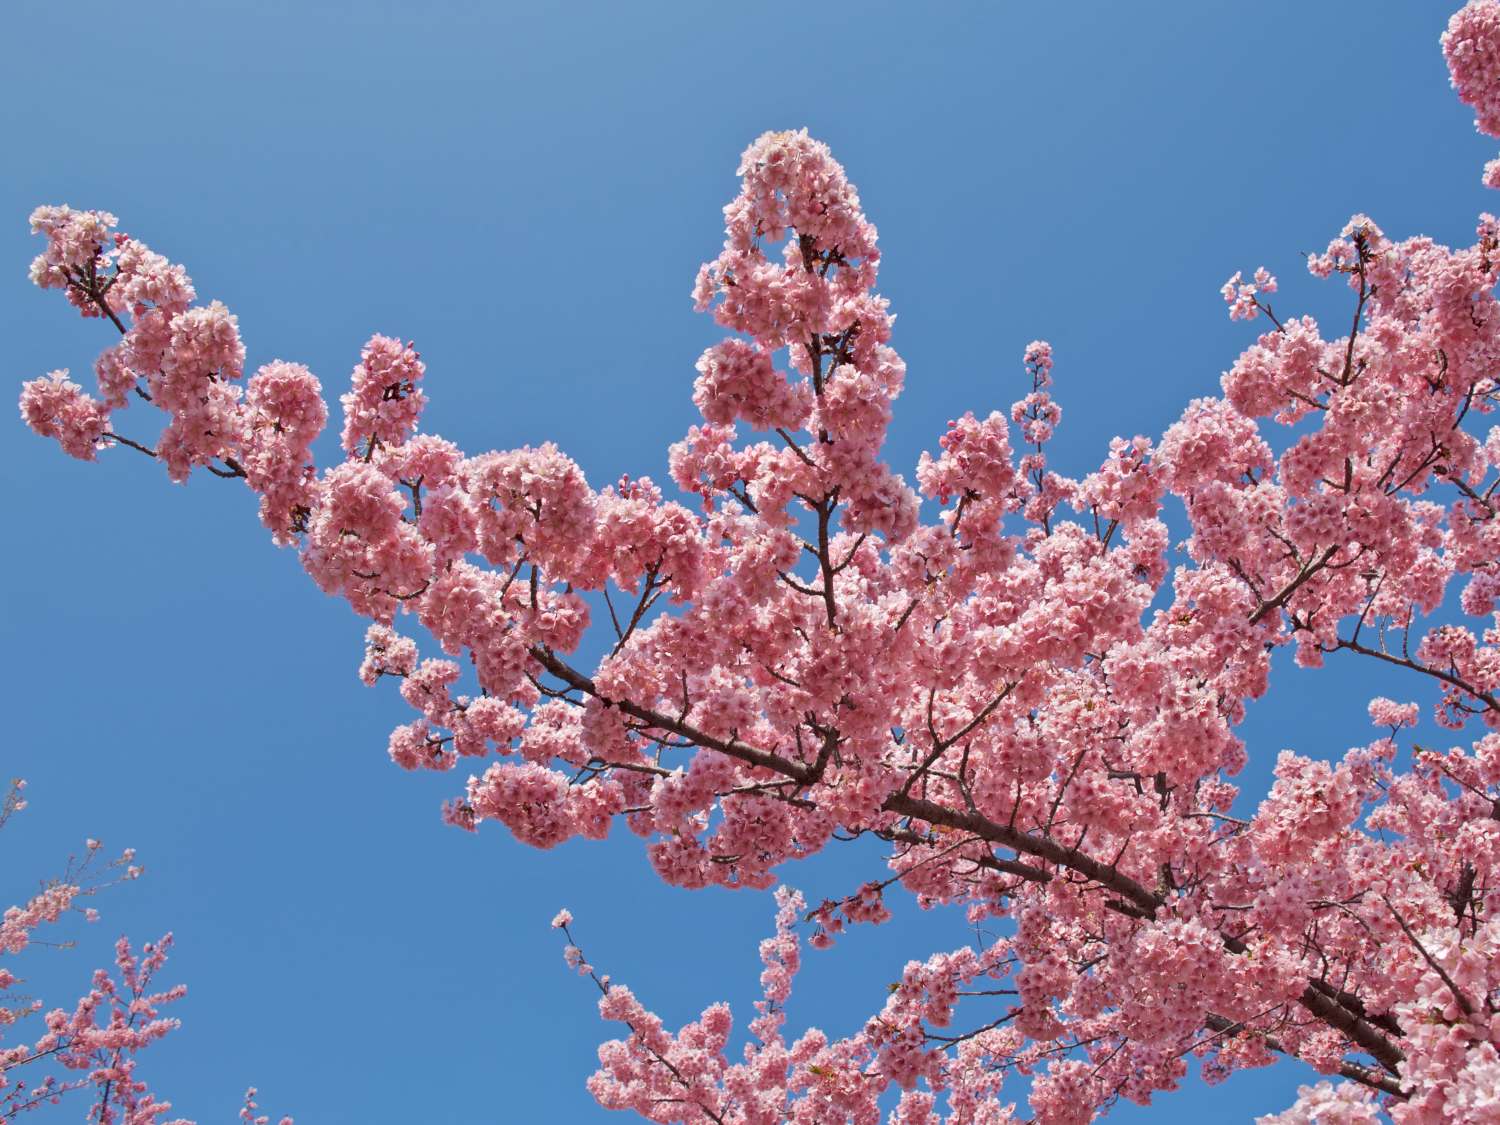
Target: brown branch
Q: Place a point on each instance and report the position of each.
(1135, 899)
(1427, 670)
(1364, 1075)
(146, 449)
(1310, 569)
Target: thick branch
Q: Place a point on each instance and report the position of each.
(1135, 898)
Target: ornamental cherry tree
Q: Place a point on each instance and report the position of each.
(48, 1055)
(92, 1047)
(995, 670)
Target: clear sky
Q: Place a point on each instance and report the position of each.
(526, 190)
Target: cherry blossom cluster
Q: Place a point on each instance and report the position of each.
(250, 1115)
(1241, 296)
(1472, 47)
(1010, 678)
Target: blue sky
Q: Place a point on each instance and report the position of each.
(526, 191)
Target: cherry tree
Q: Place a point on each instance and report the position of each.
(91, 1047)
(1009, 677)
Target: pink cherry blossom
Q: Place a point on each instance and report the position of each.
(1019, 684)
